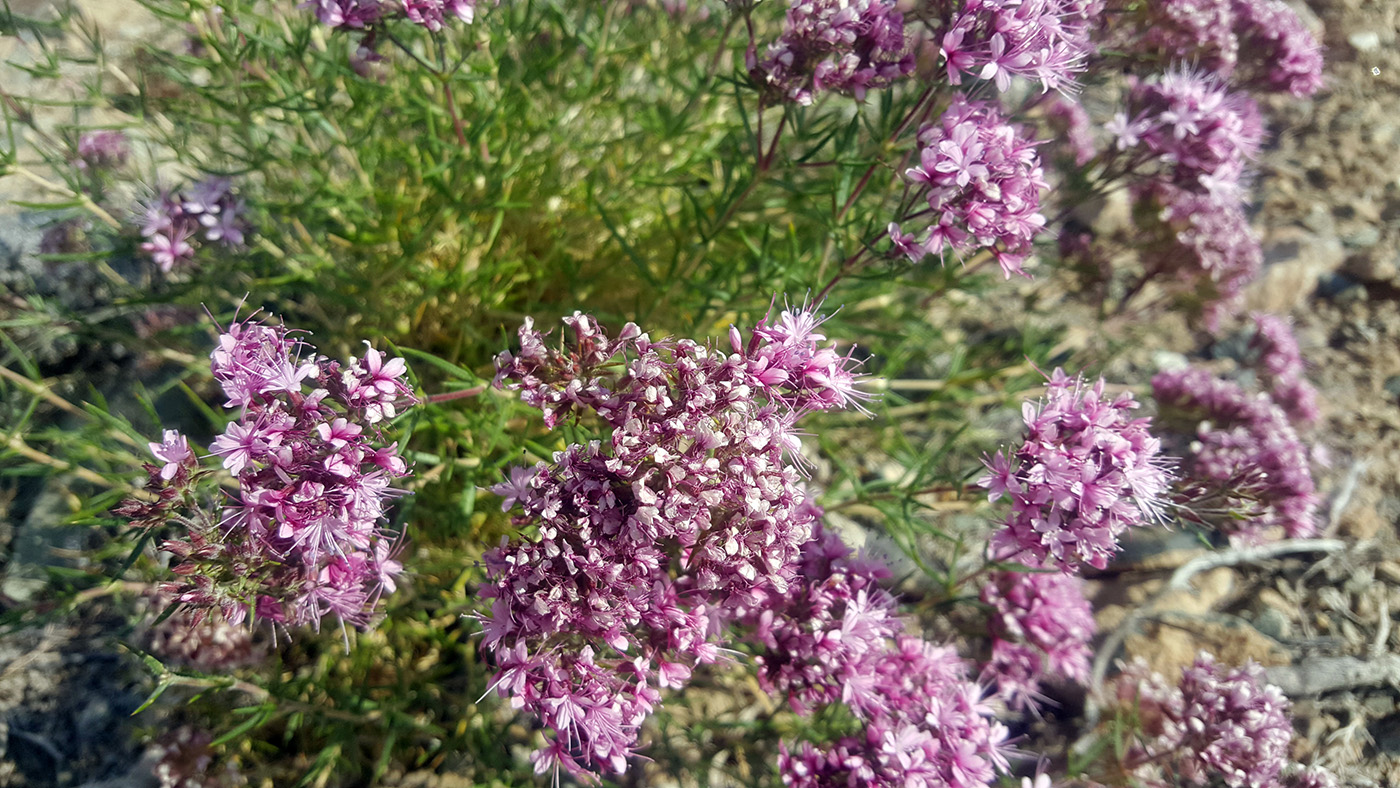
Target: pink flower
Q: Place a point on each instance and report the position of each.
(846, 46)
(172, 220)
(648, 541)
(1045, 40)
(1084, 474)
(982, 185)
(1041, 627)
(302, 536)
(170, 249)
(353, 14)
(104, 149)
(1220, 725)
(1281, 364)
(1258, 44)
(1205, 136)
(1243, 449)
(174, 451)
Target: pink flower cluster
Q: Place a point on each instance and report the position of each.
(1310, 777)
(1261, 44)
(103, 150)
(1085, 473)
(184, 758)
(1203, 134)
(1187, 138)
(844, 46)
(202, 640)
(1203, 138)
(1281, 368)
(1278, 52)
(1073, 130)
(823, 640)
(361, 14)
(1041, 626)
(834, 638)
(174, 220)
(1219, 724)
(1203, 241)
(1243, 447)
(981, 182)
(354, 14)
(645, 543)
(300, 539)
(1048, 41)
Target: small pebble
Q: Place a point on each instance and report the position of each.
(1365, 41)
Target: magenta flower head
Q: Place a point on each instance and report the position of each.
(301, 538)
(1244, 451)
(1257, 44)
(173, 222)
(823, 639)
(1073, 130)
(1041, 627)
(1201, 243)
(1279, 52)
(1085, 473)
(432, 13)
(1205, 136)
(365, 14)
(1047, 41)
(175, 452)
(1220, 725)
(981, 182)
(352, 14)
(845, 46)
(103, 150)
(200, 639)
(689, 510)
(833, 638)
(1281, 368)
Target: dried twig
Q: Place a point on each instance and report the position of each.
(1378, 647)
(1332, 674)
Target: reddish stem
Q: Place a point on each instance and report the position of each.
(448, 396)
(457, 120)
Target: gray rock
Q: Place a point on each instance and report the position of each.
(1363, 237)
(1365, 41)
(19, 240)
(1386, 734)
(34, 542)
(1274, 624)
(1371, 266)
(1340, 289)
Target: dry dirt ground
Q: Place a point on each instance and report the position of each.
(1322, 620)
(1329, 215)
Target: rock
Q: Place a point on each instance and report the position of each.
(1274, 623)
(19, 239)
(1371, 266)
(1361, 522)
(1379, 704)
(1318, 219)
(1365, 41)
(1167, 360)
(1340, 289)
(1385, 733)
(35, 541)
(1295, 260)
(1365, 236)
